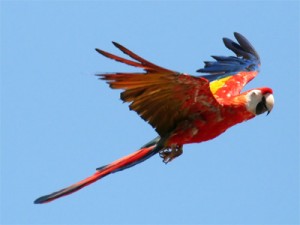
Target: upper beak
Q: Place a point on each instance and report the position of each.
(269, 103)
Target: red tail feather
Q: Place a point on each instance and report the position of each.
(120, 164)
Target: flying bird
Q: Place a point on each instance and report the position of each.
(182, 108)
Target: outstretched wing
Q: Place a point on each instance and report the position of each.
(160, 96)
(228, 75)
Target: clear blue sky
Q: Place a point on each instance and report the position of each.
(59, 122)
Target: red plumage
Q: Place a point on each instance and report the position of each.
(182, 108)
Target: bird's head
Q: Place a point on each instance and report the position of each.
(260, 100)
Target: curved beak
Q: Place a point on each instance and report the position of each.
(269, 103)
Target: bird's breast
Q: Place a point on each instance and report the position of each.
(207, 126)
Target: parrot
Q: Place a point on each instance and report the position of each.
(183, 108)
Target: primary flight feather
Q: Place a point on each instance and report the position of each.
(182, 108)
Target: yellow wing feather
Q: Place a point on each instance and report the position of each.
(217, 84)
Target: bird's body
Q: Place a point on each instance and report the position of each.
(182, 108)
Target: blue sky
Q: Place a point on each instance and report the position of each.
(59, 122)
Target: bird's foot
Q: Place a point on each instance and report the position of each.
(170, 153)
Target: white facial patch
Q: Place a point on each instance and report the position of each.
(253, 98)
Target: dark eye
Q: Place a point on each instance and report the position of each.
(261, 107)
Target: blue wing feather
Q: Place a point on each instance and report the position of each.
(246, 59)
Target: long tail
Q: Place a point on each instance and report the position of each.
(126, 162)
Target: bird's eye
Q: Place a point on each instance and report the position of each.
(261, 106)
(253, 94)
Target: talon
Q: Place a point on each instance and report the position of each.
(170, 153)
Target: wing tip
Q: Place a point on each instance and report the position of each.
(113, 42)
(116, 44)
(101, 52)
(246, 59)
(237, 35)
(242, 48)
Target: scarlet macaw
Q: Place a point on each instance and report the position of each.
(182, 108)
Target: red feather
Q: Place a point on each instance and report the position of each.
(182, 108)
